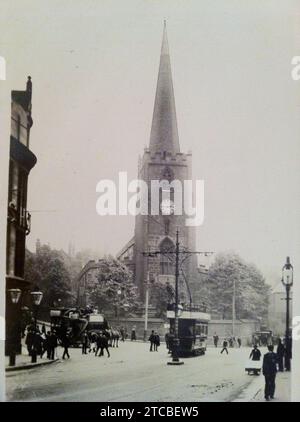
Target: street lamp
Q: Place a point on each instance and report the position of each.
(36, 297)
(15, 295)
(287, 281)
(119, 292)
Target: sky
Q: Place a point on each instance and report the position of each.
(94, 68)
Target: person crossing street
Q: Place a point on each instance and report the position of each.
(225, 345)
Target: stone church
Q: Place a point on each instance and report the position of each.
(162, 161)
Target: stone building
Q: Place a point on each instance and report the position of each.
(21, 161)
(163, 161)
(87, 279)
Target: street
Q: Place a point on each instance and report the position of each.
(132, 374)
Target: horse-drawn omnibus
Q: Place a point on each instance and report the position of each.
(192, 330)
(75, 321)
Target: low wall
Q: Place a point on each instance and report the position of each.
(138, 323)
(224, 328)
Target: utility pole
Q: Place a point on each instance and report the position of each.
(177, 252)
(146, 305)
(175, 358)
(233, 309)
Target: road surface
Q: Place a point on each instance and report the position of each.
(133, 374)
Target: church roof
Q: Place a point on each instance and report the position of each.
(164, 132)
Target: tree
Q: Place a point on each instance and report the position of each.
(161, 294)
(113, 277)
(47, 269)
(250, 287)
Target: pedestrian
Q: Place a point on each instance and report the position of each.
(92, 344)
(280, 354)
(152, 340)
(239, 340)
(225, 345)
(133, 334)
(231, 342)
(156, 341)
(43, 329)
(65, 344)
(29, 340)
(255, 353)
(269, 371)
(122, 332)
(52, 345)
(85, 342)
(216, 339)
(47, 346)
(102, 344)
(288, 354)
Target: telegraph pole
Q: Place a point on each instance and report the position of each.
(177, 252)
(146, 306)
(175, 358)
(233, 309)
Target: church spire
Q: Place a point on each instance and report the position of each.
(164, 132)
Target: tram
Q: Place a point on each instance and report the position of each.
(192, 329)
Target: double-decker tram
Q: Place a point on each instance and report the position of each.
(192, 329)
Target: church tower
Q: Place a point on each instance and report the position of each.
(162, 161)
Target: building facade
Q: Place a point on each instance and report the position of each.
(21, 161)
(165, 163)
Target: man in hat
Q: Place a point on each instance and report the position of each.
(269, 371)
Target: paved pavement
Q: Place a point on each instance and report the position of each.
(23, 361)
(134, 374)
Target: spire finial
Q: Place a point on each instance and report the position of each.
(164, 133)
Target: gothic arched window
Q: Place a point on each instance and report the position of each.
(167, 260)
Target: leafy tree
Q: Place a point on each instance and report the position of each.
(114, 290)
(161, 295)
(47, 269)
(250, 287)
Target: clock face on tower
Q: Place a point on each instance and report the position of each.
(167, 207)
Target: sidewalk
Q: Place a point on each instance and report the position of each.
(23, 361)
(255, 390)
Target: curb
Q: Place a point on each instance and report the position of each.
(29, 365)
(249, 393)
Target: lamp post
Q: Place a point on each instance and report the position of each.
(146, 306)
(15, 295)
(287, 281)
(36, 297)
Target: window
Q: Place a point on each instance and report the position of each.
(166, 261)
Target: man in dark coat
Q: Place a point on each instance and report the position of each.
(52, 344)
(156, 341)
(225, 344)
(288, 354)
(85, 342)
(65, 344)
(102, 344)
(280, 354)
(216, 339)
(152, 340)
(269, 371)
(133, 334)
(255, 353)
